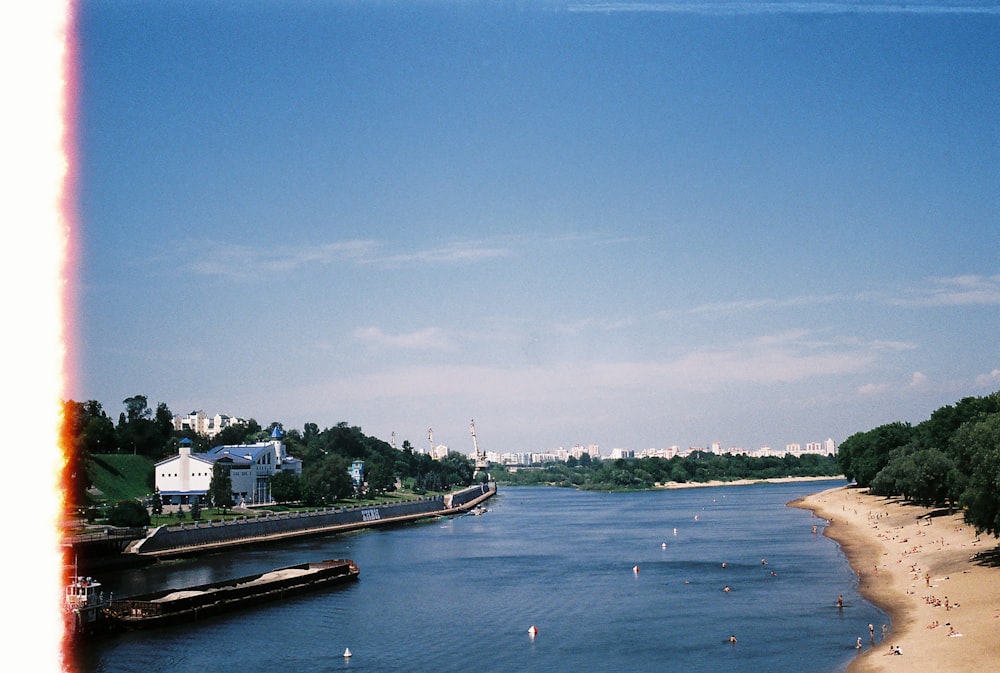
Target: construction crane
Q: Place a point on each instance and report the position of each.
(481, 462)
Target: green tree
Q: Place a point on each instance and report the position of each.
(458, 469)
(128, 514)
(380, 477)
(238, 433)
(327, 480)
(85, 431)
(286, 487)
(864, 454)
(157, 503)
(981, 499)
(196, 511)
(220, 488)
(141, 433)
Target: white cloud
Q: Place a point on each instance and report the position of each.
(767, 303)
(449, 253)
(787, 360)
(242, 261)
(429, 338)
(969, 290)
(966, 290)
(872, 389)
(991, 380)
(214, 258)
(918, 379)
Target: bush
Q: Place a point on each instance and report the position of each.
(128, 514)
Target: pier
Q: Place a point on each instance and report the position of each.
(198, 537)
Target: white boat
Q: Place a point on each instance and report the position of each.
(84, 606)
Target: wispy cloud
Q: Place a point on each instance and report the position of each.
(429, 338)
(966, 290)
(449, 253)
(767, 303)
(751, 7)
(214, 258)
(969, 290)
(787, 359)
(237, 260)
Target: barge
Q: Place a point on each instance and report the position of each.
(190, 603)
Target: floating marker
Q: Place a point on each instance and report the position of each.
(347, 653)
(663, 546)
(635, 569)
(532, 630)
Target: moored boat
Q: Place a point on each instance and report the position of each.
(186, 603)
(83, 607)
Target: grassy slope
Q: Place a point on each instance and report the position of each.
(121, 477)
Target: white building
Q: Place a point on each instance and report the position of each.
(186, 477)
(209, 426)
(617, 454)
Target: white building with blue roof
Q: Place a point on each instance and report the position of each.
(185, 478)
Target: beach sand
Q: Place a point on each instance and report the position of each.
(922, 566)
(739, 482)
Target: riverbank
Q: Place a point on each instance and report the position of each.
(928, 571)
(740, 482)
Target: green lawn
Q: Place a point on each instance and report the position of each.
(121, 477)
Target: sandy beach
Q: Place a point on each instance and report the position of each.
(938, 581)
(739, 482)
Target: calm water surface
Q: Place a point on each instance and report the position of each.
(459, 594)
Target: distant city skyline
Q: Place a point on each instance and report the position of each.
(632, 224)
(210, 424)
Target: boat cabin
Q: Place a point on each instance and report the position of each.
(83, 592)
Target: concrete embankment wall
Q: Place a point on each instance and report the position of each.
(191, 537)
(473, 494)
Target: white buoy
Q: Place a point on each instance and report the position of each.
(663, 546)
(635, 569)
(532, 630)
(347, 653)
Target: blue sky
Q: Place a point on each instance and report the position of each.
(629, 224)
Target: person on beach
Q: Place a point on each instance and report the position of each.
(858, 646)
(871, 632)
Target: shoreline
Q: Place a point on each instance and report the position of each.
(922, 566)
(740, 482)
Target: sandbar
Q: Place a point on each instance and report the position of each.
(739, 482)
(938, 581)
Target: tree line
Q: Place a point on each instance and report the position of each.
(88, 431)
(952, 458)
(645, 473)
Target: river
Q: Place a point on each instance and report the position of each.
(613, 582)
